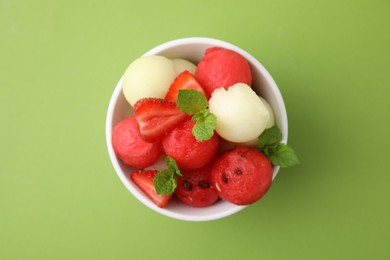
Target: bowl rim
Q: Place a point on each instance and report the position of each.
(118, 89)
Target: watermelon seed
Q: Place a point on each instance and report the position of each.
(224, 178)
(187, 185)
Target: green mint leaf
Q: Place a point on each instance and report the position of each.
(269, 149)
(191, 101)
(269, 137)
(282, 155)
(205, 124)
(171, 163)
(195, 103)
(165, 182)
(269, 143)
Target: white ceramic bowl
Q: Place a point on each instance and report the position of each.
(192, 49)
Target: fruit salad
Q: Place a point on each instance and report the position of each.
(217, 135)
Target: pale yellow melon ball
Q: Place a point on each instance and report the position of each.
(182, 65)
(241, 115)
(271, 120)
(148, 76)
(270, 123)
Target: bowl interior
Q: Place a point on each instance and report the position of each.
(192, 49)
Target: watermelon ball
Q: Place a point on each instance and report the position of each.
(221, 68)
(194, 188)
(130, 148)
(242, 175)
(181, 145)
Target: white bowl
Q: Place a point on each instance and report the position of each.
(192, 49)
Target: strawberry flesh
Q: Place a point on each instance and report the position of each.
(156, 116)
(144, 180)
(185, 80)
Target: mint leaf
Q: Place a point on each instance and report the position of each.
(269, 143)
(282, 155)
(171, 163)
(268, 150)
(205, 124)
(195, 103)
(191, 101)
(269, 137)
(165, 181)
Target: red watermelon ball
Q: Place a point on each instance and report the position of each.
(130, 148)
(242, 175)
(189, 154)
(222, 68)
(195, 189)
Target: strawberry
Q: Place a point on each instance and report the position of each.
(185, 80)
(144, 180)
(156, 116)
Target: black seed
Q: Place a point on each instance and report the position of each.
(238, 171)
(204, 184)
(187, 185)
(224, 178)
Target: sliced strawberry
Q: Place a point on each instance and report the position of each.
(144, 180)
(155, 117)
(184, 80)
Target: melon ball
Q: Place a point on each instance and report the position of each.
(182, 65)
(148, 76)
(241, 115)
(270, 123)
(271, 120)
(250, 143)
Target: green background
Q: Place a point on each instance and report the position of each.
(60, 197)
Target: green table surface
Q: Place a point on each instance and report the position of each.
(60, 197)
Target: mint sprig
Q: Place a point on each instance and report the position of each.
(165, 181)
(191, 101)
(204, 126)
(195, 103)
(282, 155)
(270, 136)
(269, 142)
